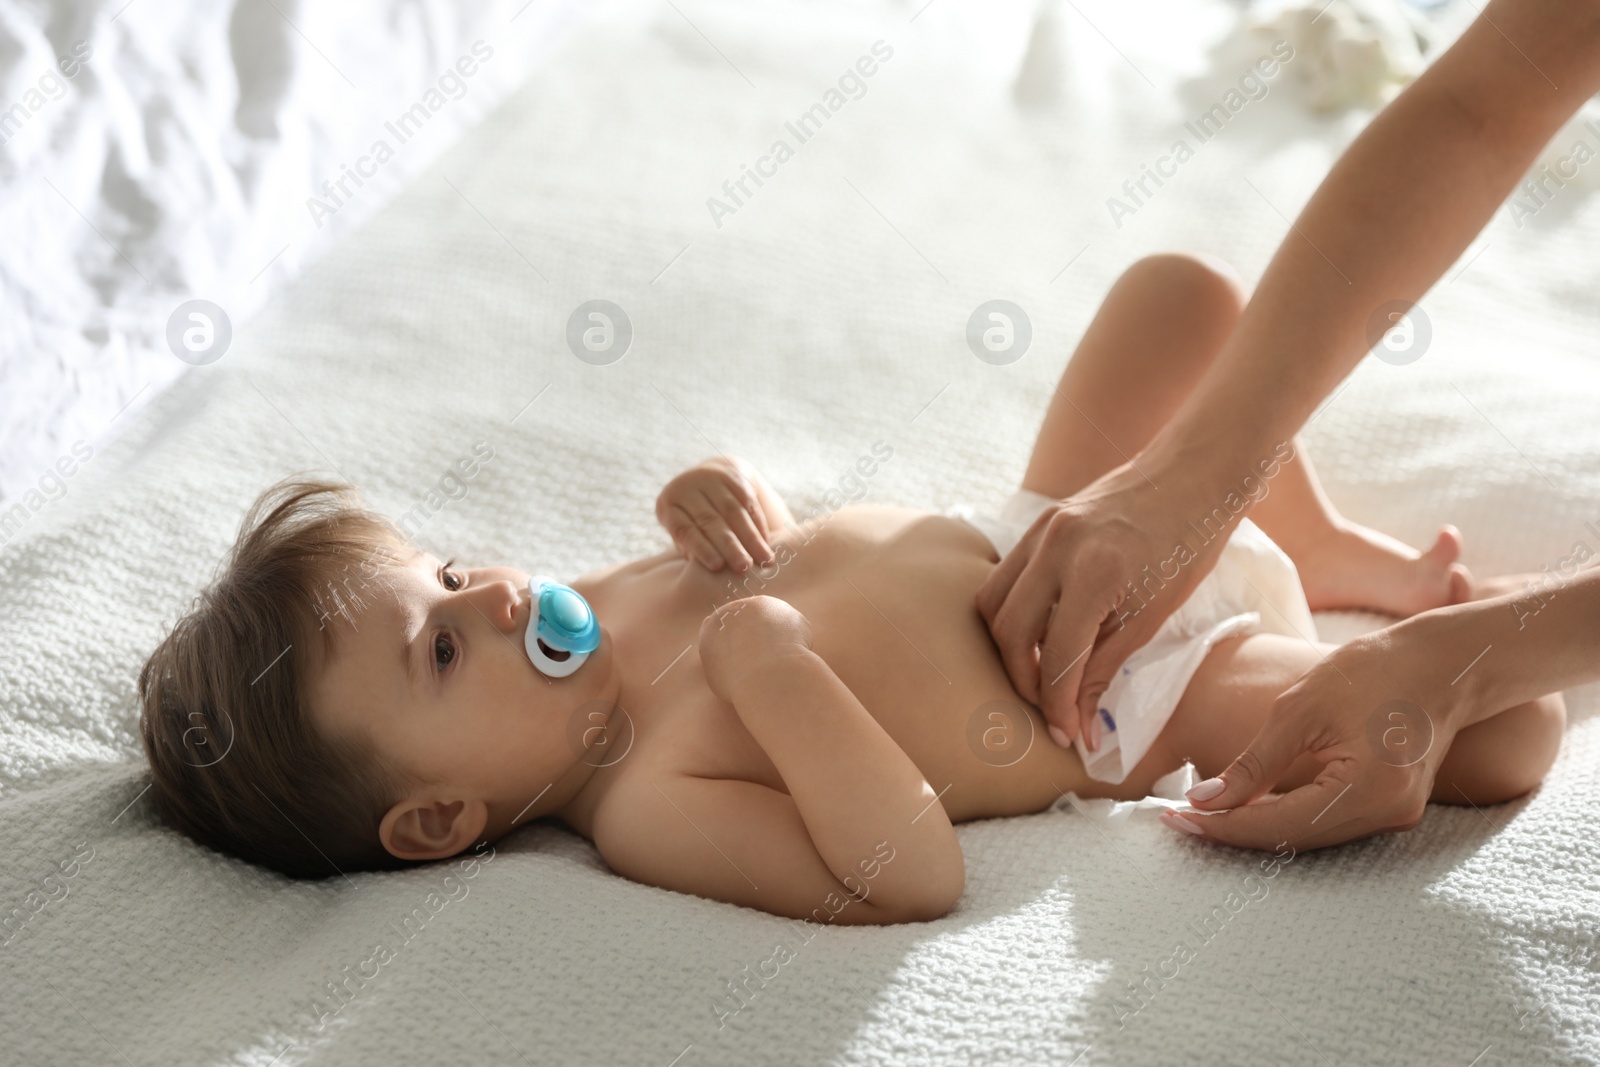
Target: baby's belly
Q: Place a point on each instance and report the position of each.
(892, 606)
(890, 594)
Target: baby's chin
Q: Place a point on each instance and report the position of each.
(589, 696)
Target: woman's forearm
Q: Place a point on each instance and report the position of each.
(1398, 208)
(1489, 655)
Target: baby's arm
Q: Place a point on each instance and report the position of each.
(722, 511)
(859, 836)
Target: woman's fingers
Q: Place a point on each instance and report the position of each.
(1119, 637)
(1017, 627)
(1328, 714)
(1279, 742)
(1063, 655)
(1305, 818)
(997, 587)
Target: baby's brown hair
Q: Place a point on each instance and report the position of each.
(237, 760)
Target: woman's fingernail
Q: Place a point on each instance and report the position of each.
(1060, 736)
(1178, 822)
(1206, 790)
(1094, 732)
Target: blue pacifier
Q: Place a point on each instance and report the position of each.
(562, 631)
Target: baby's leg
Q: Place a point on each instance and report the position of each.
(1154, 337)
(1345, 565)
(1228, 699)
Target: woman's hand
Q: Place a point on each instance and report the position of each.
(1111, 563)
(1380, 714)
(742, 636)
(713, 512)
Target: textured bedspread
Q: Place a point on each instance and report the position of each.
(824, 310)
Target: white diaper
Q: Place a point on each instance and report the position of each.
(1254, 588)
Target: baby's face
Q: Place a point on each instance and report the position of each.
(431, 673)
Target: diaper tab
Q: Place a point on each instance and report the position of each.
(1166, 794)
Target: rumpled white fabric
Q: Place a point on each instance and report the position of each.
(1352, 53)
(825, 314)
(156, 152)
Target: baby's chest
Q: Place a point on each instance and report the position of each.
(896, 621)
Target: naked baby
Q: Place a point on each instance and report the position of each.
(786, 715)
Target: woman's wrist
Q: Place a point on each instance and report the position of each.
(1477, 659)
(1434, 654)
(1202, 491)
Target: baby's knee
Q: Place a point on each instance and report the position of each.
(1529, 741)
(1196, 276)
(1546, 723)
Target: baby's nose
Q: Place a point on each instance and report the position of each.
(501, 603)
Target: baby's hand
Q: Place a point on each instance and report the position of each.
(714, 516)
(741, 636)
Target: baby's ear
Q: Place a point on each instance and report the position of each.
(424, 829)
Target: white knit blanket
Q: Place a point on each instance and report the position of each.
(827, 311)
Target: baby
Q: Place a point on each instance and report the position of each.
(786, 715)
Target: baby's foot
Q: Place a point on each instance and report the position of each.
(1355, 567)
(1532, 585)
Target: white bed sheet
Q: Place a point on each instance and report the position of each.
(826, 313)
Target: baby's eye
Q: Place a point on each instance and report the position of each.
(444, 652)
(449, 578)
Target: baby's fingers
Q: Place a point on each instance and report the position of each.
(750, 502)
(743, 525)
(694, 544)
(716, 530)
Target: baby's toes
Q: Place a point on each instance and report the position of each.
(1461, 589)
(1446, 547)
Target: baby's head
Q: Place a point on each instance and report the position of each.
(338, 700)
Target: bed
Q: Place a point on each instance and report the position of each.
(826, 310)
(154, 154)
